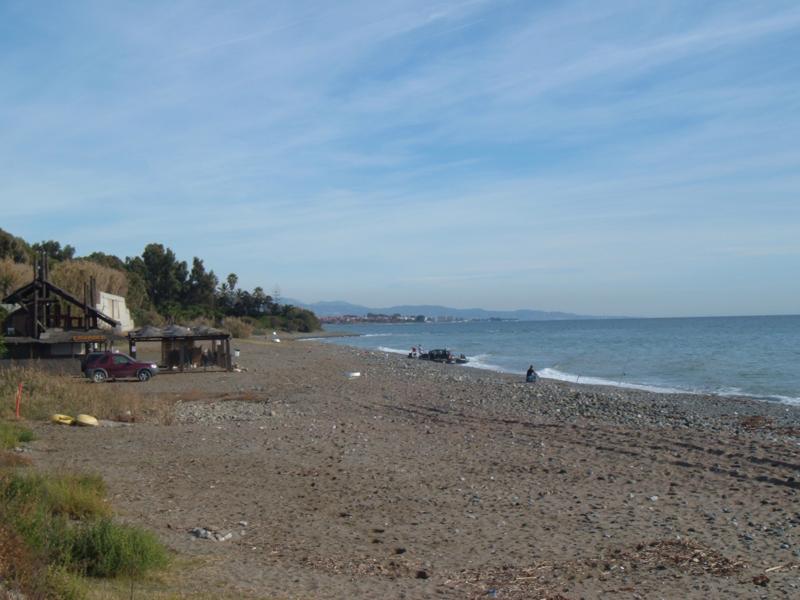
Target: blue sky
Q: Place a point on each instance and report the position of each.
(615, 157)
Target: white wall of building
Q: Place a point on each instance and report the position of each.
(114, 307)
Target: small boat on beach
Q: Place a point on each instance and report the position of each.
(439, 355)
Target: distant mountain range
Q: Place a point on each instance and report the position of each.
(338, 308)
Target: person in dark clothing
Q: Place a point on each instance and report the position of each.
(531, 376)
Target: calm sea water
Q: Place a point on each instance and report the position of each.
(752, 356)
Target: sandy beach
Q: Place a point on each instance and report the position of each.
(420, 480)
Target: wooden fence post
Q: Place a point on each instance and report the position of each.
(18, 399)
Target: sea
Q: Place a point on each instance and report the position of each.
(757, 357)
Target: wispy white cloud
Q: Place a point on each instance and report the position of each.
(515, 140)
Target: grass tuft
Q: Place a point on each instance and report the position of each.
(74, 496)
(77, 496)
(46, 393)
(61, 583)
(64, 532)
(11, 435)
(103, 548)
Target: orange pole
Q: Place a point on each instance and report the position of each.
(19, 398)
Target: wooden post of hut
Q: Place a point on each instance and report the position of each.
(35, 327)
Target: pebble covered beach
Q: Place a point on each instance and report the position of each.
(425, 480)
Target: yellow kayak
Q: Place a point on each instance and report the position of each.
(86, 421)
(62, 419)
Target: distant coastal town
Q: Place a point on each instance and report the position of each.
(398, 318)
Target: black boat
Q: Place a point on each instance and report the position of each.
(443, 355)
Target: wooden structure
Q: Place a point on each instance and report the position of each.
(51, 322)
(182, 347)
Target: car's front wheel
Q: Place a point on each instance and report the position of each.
(144, 375)
(99, 376)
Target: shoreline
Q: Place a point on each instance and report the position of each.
(693, 404)
(418, 480)
(590, 380)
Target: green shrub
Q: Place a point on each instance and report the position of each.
(11, 435)
(102, 548)
(74, 496)
(65, 585)
(77, 496)
(65, 520)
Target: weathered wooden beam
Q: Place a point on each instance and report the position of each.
(36, 314)
(85, 306)
(93, 299)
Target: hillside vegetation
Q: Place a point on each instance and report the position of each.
(158, 287)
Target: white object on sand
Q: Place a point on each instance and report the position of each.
(353, 374)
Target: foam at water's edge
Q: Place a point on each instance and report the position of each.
(393, 350)
(728, 393)
(479, 361)
(548, 373)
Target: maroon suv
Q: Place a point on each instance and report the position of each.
(101, 366)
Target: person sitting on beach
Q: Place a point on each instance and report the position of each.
(531, 375)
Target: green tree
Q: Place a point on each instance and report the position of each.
(298, 319)
(54, 250)
(107, 260)
(14, 247)
(262, 302)
(201, 286)
(163, 274)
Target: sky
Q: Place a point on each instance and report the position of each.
(616, 157)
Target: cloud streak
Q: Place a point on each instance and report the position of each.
(553, 147)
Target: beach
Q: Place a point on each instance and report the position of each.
(424, 480)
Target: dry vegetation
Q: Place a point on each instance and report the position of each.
(13, 275)
(45, 394)
(57, 532)
(71, 275)
(238, 328)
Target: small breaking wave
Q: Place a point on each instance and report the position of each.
(479, 362)
(779, 398)
(549, 373)
(737, 392)
(392, 350)
(500, 351)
